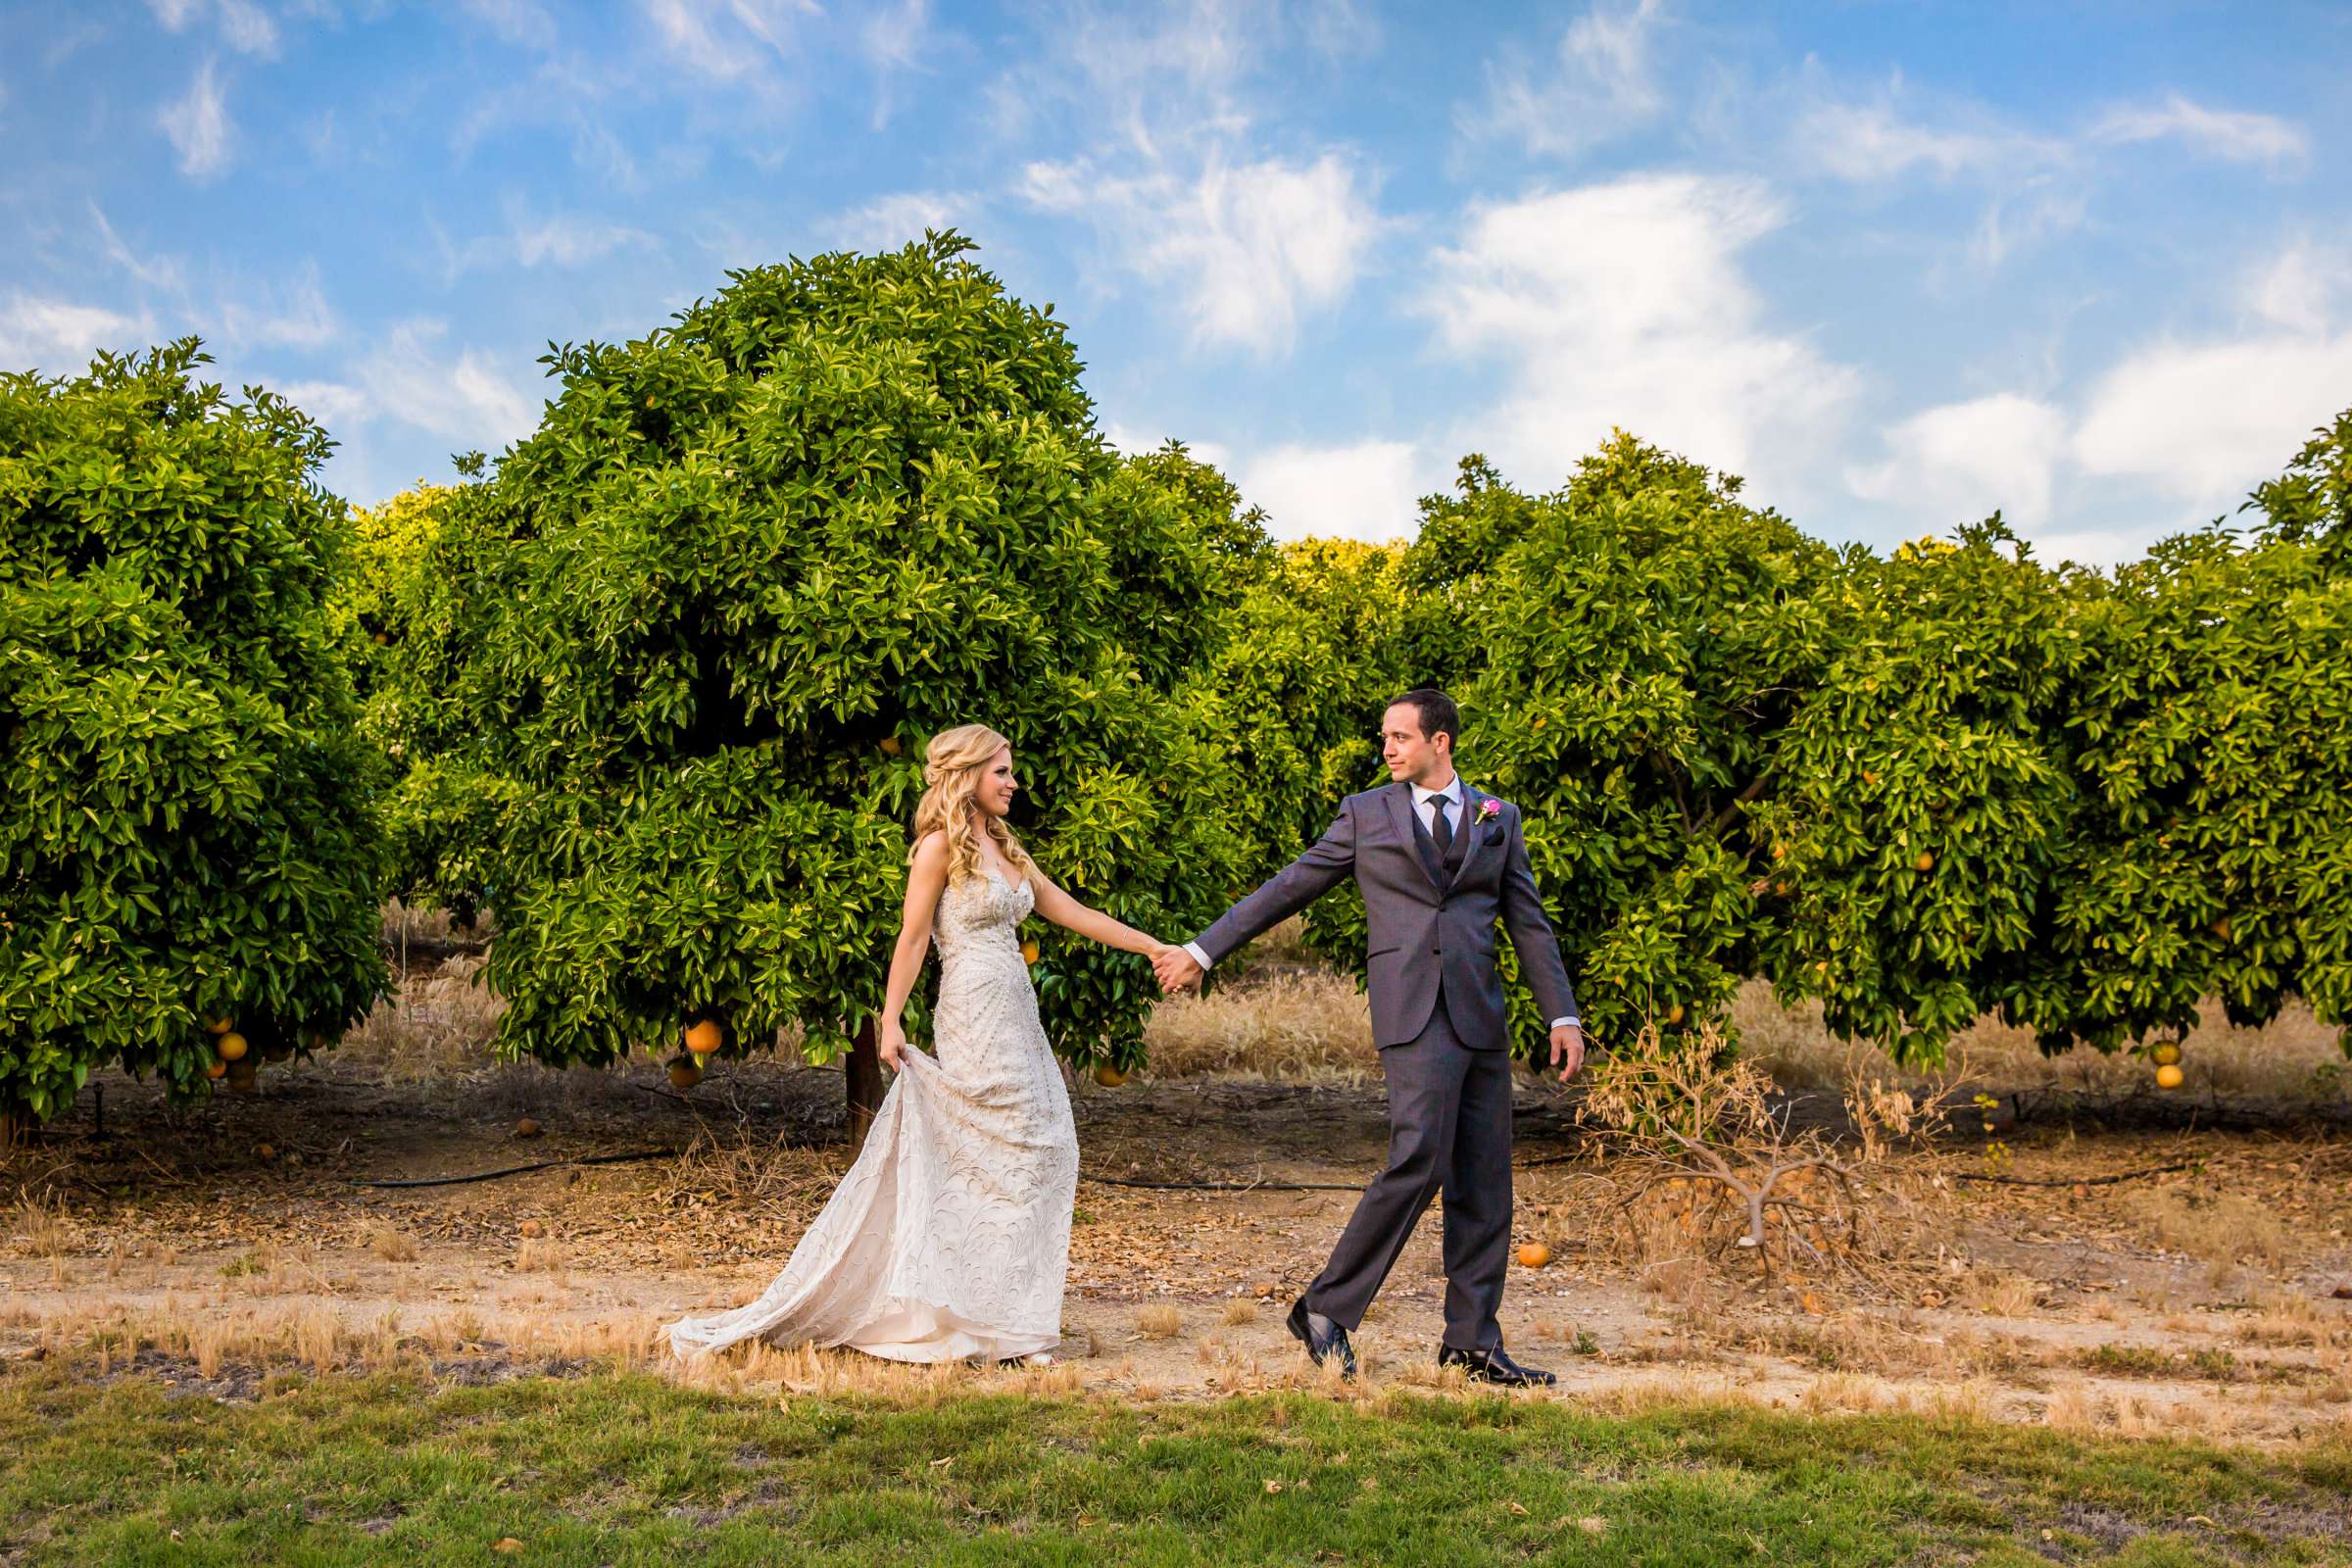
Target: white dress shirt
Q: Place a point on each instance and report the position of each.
(1455, 822)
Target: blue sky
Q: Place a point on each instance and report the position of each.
(1898, 265)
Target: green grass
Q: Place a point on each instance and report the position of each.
(620, 1468)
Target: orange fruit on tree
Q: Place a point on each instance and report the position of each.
(1926, 862)
(890, 746)
(230, 1046)
(1674, 1014)
(216, 1068)
(1534, 1254)
(1029, 950)
(220, 1026)
(2165, 1054)
(702, 1037)
(1108, 1076)
(2168, 1077)
(2221, 928)
(684, 1073)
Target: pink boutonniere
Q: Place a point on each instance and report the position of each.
(1487, 809)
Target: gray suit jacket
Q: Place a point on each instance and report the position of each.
(1431, 935)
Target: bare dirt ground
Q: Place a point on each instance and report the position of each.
(214, 1242)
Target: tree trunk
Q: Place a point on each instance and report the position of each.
(864, 1079)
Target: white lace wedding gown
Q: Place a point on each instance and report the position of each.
(949, 1237)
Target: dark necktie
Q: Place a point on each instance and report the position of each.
(1438, 830)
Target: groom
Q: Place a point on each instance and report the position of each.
(1439, 863)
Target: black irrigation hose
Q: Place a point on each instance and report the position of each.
(517, 1170)
(1108, 1180)
(1228, 1187)
(2072, 1181)
(1279, 1186)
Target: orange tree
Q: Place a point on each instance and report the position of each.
(1628, 654)
(399, 610)
(188, 810)
(2212, 739)
(1923, 798)
(1315, 647)
(708, 614)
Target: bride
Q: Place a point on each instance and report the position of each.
(949, 1237)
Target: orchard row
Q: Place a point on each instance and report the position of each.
(653, 688)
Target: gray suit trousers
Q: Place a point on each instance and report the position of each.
(1450, 1131)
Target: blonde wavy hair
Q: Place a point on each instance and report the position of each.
(952, 768)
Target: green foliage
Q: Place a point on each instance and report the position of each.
(702, 623)
(1315, 649)
(1184, 552)
(188, 810)
(1627, 653)
(1920, 795)
(2312, 500)
(2213, 747)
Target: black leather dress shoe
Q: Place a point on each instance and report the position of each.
(1494, 1366)
(1322, 1338)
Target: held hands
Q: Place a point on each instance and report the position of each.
(1175, 968)
(1568, 1046)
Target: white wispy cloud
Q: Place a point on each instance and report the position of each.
(890, 221)
(244, 26)
(247, 27)
(517, 22)
(199, 125)
(2234, 134)
(737, 41)
(1888, 137)
(2039, 211)
(2300, 289)
(2203, 421)
(1250, 247)
(291, 315)
(894, 37)
(339, 406)
(155, 272)
(1625, 304)
(1601, 83)
(1963, 460)
(59, 337)
(64, 42)
(462, 397)
(562, 240)
(1875, 142)
(1354, 490)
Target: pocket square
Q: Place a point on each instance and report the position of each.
(1493, 835)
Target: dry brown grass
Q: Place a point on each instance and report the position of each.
(1275, 1013)
(2293, 1059)
(1296, 1028)
(1160, 1322)
(2221, 1229)
(390, 1243)
(403, 924)
(439, 1026)
(535, 1255)
(40, 1229)
(313, 1334)
(1240, 1311)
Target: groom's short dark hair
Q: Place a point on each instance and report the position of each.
(1439, 715)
